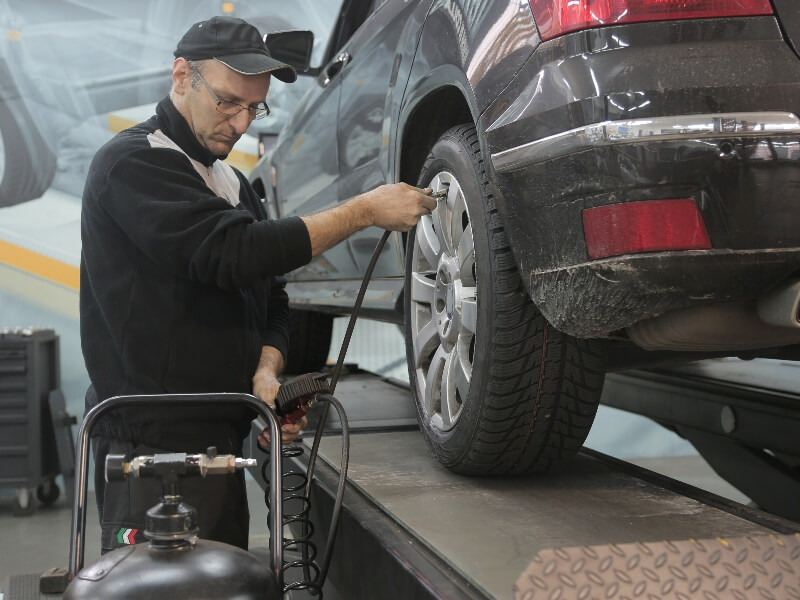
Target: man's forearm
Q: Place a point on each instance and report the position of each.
(395, 206)
(328, 228)
(265, 379)
(270, 363)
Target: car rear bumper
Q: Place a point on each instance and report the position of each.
(595, 298)
(716, 128)
(745, 186)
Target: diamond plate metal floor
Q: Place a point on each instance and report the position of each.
(766, 566)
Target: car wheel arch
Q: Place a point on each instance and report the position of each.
(422, 128)
(438, 103)
(420, 125)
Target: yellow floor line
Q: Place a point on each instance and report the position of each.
(40, 265)
(41, 298)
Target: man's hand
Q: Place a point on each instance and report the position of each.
(289, 432)
(395, 206)
(398, 206)
(265, 386)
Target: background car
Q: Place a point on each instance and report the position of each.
(66, 64)
(621, 191)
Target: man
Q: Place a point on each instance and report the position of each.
(180, 274)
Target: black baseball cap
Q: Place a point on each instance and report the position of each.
(236, 44)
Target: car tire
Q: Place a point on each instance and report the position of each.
(309, 342)
(497, 389)
(27, 163)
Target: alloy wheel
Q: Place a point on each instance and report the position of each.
(443, 298)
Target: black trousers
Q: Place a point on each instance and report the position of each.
(220, 500)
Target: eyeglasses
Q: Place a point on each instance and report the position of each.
(226, 107)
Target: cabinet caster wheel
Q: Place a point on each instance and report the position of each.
(23, 503)
(48, 492)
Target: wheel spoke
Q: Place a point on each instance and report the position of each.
(469, 311)
(448, 408)
(457, 206)
(424, 342)
(463, 368)
(445, 214)
(455, 387)
(422, 289)
(433, 385)
(427, 240)
(466, 255)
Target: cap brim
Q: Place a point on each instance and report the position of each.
(256, 64)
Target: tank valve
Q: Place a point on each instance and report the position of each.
(119, 467)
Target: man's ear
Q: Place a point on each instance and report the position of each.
(181, 76)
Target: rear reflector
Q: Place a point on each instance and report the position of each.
(556, 17)
(651, 226)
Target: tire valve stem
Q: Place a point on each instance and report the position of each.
(440, 195)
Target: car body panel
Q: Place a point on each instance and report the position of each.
(309, 174)
(488, 42)
(608, 73)
(370, 80)
(788, 14)
(355, 155)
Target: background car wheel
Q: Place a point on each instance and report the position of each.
(309, 342)
(48, 492)
(497, 389)
(27, 164)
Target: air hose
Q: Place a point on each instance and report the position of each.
(309, 385)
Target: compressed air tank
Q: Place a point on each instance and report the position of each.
(174, 564)
(203, 570)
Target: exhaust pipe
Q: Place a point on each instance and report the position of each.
(771, 321)
(780, 307)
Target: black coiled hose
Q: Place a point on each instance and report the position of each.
(294, 481)
(296, 516)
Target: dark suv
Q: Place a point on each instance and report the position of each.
(622, 183)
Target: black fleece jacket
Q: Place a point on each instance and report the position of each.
(180, 285)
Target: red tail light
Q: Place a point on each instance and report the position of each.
(651, 226)
(556, 17)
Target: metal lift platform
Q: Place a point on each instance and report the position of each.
(595, 528)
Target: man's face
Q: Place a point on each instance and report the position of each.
(216, 131)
